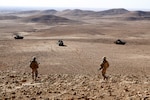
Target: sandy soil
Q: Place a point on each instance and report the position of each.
(71, 72)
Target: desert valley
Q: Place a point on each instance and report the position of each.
(70, 72)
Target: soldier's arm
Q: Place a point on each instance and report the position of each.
(101, 66)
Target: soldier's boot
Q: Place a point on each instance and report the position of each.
(104, 76)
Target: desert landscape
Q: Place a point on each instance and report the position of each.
(70, 72)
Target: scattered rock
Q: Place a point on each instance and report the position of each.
(33, 98)
(72, 87)
(39, 93)
(23, 80)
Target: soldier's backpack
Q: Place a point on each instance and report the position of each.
(34, 64)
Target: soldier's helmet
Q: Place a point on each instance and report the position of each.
(104, 58)
(34, 58)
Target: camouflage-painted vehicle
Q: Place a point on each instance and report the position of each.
(60, 43)
(18, 37)
(120, 42)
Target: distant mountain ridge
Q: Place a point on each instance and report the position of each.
(51, 11)
(75, 12)
(78, 12)
(68, 15)
(118, 13)
(82, 13)
(113, 12)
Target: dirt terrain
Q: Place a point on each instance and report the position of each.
(71, 72)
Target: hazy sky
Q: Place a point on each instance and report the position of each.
(128, 4)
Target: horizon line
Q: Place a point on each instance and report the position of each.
(71, 8)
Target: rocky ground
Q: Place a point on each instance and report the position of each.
(16, 86)
(70, 72)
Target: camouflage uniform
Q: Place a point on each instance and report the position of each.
(34, 66)
(104, 65)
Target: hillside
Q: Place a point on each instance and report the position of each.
(75, 12)
(86, 13)
(137, 15)
(111, 12)
(50, 12)
(47, 19)
(117, 14)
